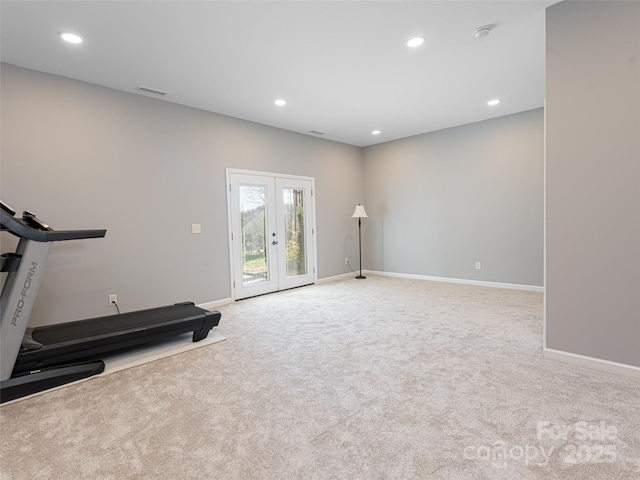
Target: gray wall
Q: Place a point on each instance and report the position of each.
(439, 202)
(83, 156)
(593, 179)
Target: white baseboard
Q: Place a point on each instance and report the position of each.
(481, 283)
(335, 278)
(594, 363)
(214, 304)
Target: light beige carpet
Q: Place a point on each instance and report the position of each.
(382, 378)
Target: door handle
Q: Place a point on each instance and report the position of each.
(274, 242)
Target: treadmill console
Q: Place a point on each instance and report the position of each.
(34, 222)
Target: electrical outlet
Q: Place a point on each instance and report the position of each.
(113, 299)
(346, 260)
(478, 265)
(195, 228)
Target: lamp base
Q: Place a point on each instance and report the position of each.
(361, 276)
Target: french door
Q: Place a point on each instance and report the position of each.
(272, 227)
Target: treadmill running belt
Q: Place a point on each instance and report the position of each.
(70, 331)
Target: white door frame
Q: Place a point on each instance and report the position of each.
(314, 257)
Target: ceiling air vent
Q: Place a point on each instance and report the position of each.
(315, 132)
(152, 91)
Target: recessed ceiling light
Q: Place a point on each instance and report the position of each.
(70, 37)
(376, 132)
(280, 102)
(415, 42)
(493, 102)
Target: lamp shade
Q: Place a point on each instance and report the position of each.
(359, 212)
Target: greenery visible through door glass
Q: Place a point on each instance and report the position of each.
(295, 247)
(253, 206)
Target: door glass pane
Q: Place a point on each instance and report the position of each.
(295, 247)
(253, 207)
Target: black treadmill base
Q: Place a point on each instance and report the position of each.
(47, 378)
(85, 340)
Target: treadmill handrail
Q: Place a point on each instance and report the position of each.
(20, 229)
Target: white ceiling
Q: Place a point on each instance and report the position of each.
(343, 66)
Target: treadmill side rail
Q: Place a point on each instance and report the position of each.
(41, 380)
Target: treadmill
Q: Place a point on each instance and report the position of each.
(36, 359)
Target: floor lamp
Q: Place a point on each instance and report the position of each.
(359, 213)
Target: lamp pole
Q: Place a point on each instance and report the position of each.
(360, 245)
(359, 213)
